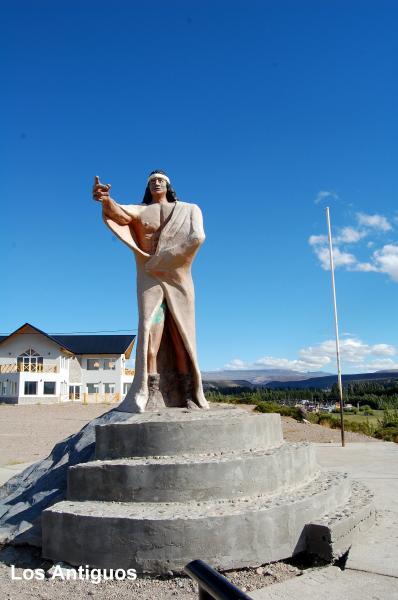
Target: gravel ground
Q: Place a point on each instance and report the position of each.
(143, 588)
(28, 433)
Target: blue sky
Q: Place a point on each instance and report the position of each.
(262, 113)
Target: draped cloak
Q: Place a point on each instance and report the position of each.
(166, 275)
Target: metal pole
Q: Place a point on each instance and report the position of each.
(336, 326)
(213, 585)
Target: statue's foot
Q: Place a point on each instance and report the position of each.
(140, 402)
(192, 405)
(185, 381)
(202, 403)
(134, 404)
(155, 397)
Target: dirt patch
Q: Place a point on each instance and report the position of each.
(28, 433)
(293, 431)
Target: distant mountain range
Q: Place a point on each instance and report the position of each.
(260, 376)
(284, 378)
(223, 384)
(325, 383)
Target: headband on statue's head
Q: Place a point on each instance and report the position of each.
(158, 176)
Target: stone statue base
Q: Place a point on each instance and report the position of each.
(175, 485)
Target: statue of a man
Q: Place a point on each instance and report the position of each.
(165, 235)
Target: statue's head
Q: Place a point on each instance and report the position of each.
(158, 181)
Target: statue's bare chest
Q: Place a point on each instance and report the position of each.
(154, 216)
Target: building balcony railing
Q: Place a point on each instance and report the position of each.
(129, 371)
(98, 398)
(31, 368)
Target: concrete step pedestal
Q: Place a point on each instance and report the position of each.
(220, 485)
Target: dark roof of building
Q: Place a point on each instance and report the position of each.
(95, 344)
(85, 344)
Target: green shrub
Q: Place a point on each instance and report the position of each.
(364, 427)
(386, 429)
(387, 426)
(388, 434)
(313, 417)
(221, 398)
(334, 423)
(328, 421)
(285, 411)
(389, 418)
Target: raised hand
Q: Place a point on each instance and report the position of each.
(100, 190)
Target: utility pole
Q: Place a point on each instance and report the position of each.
(336, 326)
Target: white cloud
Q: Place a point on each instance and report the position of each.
(349, 235)
(366, 267)
(387, 260)
(352, 351)
(321, 353)
(382, 364)
(236, 363)
(382, 260)
(346, 235)
(355, 354)
(313, 240)
(323, 194)
(285, 363)
(341, 259)
(383, 350)
(374, 221)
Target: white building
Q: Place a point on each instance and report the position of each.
(39, 368)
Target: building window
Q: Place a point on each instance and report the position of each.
(30, 361)
(109, 364)
(3, 388)
(93, 364)
(92, 388)
(49, 387)
(63, 363)
(109, 388)
(74, 392)
(30, 388)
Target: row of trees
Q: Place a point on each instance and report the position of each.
(374, 394)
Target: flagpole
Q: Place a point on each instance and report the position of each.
(336, 326)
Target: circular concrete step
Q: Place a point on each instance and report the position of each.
(157, 537)
(183, 431)
(184, 477)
